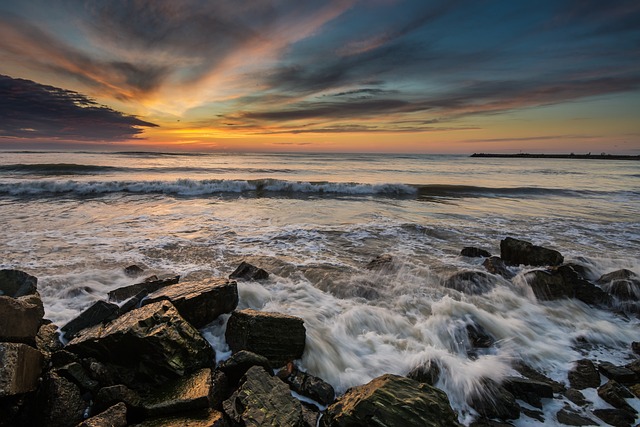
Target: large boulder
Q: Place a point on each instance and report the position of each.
(495, 401)
(20, 367)
(307, 385)
(126, 292)
(263, 400)
(473, 252)
(48, 339)
(390, 401)
(623, 284)
(530, 391)
(495, 265)
(615, 417)
(201, 302)
(584, 375)
(16, 283)
(239, 363)
(516, 252)
(278, 337)
(470, 282)
(154, 340)
(98, 312)
(622, 374)
(181, 395)
(548, 285)
(248, 271)
(20, 317)
(60, 402)
(615, 395)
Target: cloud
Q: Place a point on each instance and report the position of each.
(34, 111)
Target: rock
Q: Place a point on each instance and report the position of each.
(428, 374)
(132, 303)
(115, 416)
(181, 395)
(108, 374)
(532, 413)
(220, 389)
(516, 252)
(109, 396)
(622, 274)
(619, 373)
(571, 418)
(247, 271)
(48, 339)
(528, 372)
(278, 337)
(478, 336)
(76, 373)
(382, 263)
(635, 347)
(239, 363)
(20, 317)
(98, 312)
(16, 283)
(576, 397)
(470, 282)
(310, 414)
(263, 400)
(20, 367)
(61, 402)
(635, 389)
(63, 357)
(624, 290)
(615, 417)
(633, 366)
(495, 265)
(584, 375)
(494, 401)
(529, 391)
(548, 286)
(307, 385)
(200, 303)
(583, 290)
(154, 340)
(472, 252)
(392, 401)
(485, 422)
(202, 418)
(133, 270)
(615, 395)
(127, 292)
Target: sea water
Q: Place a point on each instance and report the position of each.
(314, 221)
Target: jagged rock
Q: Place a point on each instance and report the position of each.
(576, 397)
(127, 292)
(63, 357)
(48, 339)
(622, 274)
(307, 385)
(115, 416)
(478, 336)
(633, 366)
(583, 290)
(528, 372)
(109, 396)
(61, 402)
(133, 270)
(571, 418)
(263, 400)
(494, 401)
(516, 252)
(247, 271)
(202, 418)
(529, 391)
(495, 265)
(532, 413)
(472, 252)
(392, 401)
(615, 417)
(154, 340)
(470, 282)
(76, 373)
(98, 312)
(132, 303)
(382, 263)
(20, 367)
(108, 374)
(199, 303)
(635, 347)
(16, 283)
(180, 395)
(615, 394)
(428, 374)
(548, 286)
(621, 374)
(584, 375)
(278, 337)
(20, 317)
(485, 422)
(635, 389)
(239, 363)
(310, 414)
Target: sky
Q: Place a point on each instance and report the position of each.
(324, 76)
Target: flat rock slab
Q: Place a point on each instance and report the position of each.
(20, 367)
(127, 292)
(16, 283)
(20, 317)
(249, 272)
(203, 418)
(115, 416)
(516, 252)
(154, 339)
(278, 337)
(201, 302)
(96, 313)
(181, 395)
(619, 373)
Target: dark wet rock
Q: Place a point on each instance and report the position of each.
(621, 374)
(528, 372)
(392, 401)
(622, 274)
(48, 339)
(478, 336)
(220, 389)
(494, 401)
(615, 395)
(576, 397)
(516, 252)
(20, 367)
(20, 317)
(263, 400)
(239, 363)
(470, 282)
(247, 271)
(310, 414)
(133, 270)
(108, 374)
(16, 283)
(615, 417)
(624, 290)
(201, 418)
(534, 414)
(548, 286)
(473, 252)
(633, 366)
(528, 390)
(63, 357)
(307, 385)
(115, 416)
(98, 312)
(635, 389)
(132, 303)
(278, 337)
(382, 263)
(120, 393)
(201, 302)
(428, 373)
(485, 422)
(584, 375)
(495, 265)
(583, 290)
(154, 340)
(75, 372)
(181, 395)
(61, 402)
(127, 292)
(635, 347)
(569, 417)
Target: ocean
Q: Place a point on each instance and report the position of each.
(314, 221)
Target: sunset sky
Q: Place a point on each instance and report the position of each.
(331, 75)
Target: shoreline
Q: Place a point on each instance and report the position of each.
(558, 156)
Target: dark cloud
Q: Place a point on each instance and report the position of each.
(35, 111)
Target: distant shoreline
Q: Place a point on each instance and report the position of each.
(559, 156)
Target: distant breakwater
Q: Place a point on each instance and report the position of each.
(558, 156)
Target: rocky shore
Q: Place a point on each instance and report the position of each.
(138, 358)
